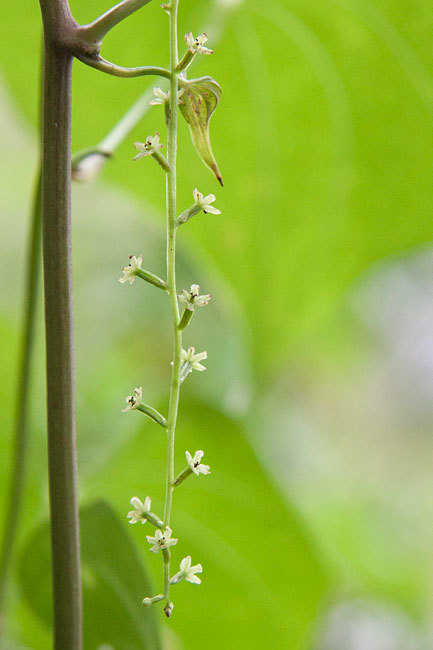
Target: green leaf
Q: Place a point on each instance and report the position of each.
(114, 582)
(262, 577)
(199, 100)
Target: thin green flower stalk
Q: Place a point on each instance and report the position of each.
(204, 94)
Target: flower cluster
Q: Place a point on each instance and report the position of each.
(197, 99)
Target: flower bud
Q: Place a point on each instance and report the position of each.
(168, 609)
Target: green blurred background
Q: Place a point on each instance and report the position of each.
(314, 528)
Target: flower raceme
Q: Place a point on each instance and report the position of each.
(196, 101)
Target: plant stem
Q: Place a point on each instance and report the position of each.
(108, 67)
(171, 183)
(17, 473)
(56, 231)
(96, 30)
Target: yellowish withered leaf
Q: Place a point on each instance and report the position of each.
(199, 99)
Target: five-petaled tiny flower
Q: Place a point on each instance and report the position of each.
(134, 401)
(191, 361)
(151, 146)
(187, 572)
(161, 540)
(140, 508)
(195, 464)
(130, 271)
(203, 202)
(192, 297)
(196, 45)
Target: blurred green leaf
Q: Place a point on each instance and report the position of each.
(262, 577)
(114, 582)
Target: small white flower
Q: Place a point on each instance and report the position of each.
(130, 271)
(196, 45)
(161, 97)
(161, 540)
(134, 401)
(191, 361)
(140, 508)
(187, 572)
(195, 464)
(192, 298)
(151, 146)
(204, 202)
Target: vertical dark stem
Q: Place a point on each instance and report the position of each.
(22, 394)
(56, 232)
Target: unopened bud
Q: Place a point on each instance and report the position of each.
(168, 609)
